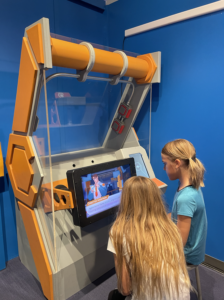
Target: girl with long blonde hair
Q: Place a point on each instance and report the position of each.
(147, 247)
(188, 212)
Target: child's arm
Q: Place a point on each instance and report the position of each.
(184, 225)
(126, 280)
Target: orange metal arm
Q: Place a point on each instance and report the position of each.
(26, 84)
(70, 55)
(38, 250)
(1, 163)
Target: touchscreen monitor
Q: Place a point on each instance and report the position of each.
(102, 190)
(98, 188)
(140, 165)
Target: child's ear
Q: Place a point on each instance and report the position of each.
(177, 163)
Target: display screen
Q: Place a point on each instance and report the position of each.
(102, 190)
(140, 165)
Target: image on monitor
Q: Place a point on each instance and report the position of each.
(102, 190)
(140, 165)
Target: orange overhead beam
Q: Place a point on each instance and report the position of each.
(70, 55)
(137, 68)
(38, 250)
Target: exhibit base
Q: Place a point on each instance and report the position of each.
(82, 254)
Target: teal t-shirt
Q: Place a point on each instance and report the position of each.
(190, 202)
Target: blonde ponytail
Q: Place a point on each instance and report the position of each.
(196, 173)
(185, 151)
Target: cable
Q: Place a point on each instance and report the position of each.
(123, 43)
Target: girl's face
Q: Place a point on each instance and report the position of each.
(171, 168)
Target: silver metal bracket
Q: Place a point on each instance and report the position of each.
(116, 78)
(84, 73)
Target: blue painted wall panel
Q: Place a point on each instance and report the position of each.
(8, 235)
(76, 21)
(189, 101)
(124, 14)
(2, 240)
(97, 3)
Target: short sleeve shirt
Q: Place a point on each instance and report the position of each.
(190, 202)
(184, 292)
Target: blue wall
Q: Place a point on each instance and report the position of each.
(189, 101)
(66, 18)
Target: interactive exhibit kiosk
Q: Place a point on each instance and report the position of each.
(70, 152)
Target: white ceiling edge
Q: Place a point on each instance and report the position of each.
(108, 2)
(188, 14)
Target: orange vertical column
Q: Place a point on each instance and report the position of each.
(20, 153)
(38, 250)
(1, 163)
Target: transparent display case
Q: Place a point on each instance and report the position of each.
(73, 117)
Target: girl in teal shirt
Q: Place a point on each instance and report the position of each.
(188, 212)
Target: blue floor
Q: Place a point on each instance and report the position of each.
(17, 283)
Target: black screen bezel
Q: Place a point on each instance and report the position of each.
(75, 186)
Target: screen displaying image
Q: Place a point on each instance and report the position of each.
(102, 190)
(140, 165)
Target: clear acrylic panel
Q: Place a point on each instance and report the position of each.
(97, 46)
(45, 202)
(72, 116)
(77, 117)
(80, 114)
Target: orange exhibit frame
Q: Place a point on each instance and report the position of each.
(41, 52)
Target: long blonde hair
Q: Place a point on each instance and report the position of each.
(153, 242)
(184, 150)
